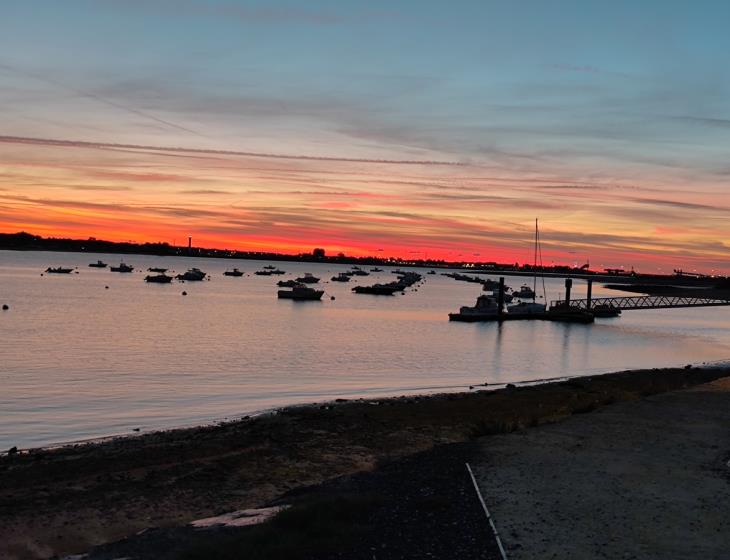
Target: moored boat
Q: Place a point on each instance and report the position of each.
(156, 269)
(485, 309)
(604, 310)
(98, 264)
(59, 270)
(570, 315)
(378, 289)
(288, 283)
(234, 272)
(122, 268)
(525, 292)
(529, 308)
(308, 278)
(192, 275)
(301, 293)
(341, 277)
(161, 278)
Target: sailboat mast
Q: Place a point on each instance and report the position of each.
(534, 268)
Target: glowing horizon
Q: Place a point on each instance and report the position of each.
(284, 129)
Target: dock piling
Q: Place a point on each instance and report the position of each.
(568, 286)
(589, 297)
(500, 295)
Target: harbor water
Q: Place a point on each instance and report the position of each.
(100, 353)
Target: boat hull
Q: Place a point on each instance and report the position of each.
(289, 294)
(376, 290)
(161, 279)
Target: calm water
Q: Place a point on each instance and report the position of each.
(79, 361)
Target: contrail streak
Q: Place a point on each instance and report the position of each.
(107, 145)
(98, 98)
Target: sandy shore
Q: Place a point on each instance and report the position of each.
(64, 501)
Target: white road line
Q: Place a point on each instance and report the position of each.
(486, 511)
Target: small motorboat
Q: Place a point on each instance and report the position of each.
(308, 278)
(431, 272)
(192, 275)
(59, 270)
(158, 270)
(98, 264)
(288, 283)
(263, 273)
(341, 277)
(376, 269)
(269, 267)
(122, 268)
(234, 272)
(301, 293)
(158, 279)
(277, 271)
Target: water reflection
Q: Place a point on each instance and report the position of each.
(80, 360)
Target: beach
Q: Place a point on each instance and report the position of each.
(66, 500)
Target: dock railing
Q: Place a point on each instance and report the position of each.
(641, 302)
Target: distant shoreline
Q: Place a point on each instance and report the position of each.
(27, 242)
(102, 492)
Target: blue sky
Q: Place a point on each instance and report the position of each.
(612, 93)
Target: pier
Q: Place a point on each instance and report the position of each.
(580, 310)
(640, 302)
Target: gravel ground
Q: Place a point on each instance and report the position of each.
(647, 479)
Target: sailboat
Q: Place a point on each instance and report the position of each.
(527, 293)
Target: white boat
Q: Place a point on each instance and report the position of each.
(486, 309)
(526, 308)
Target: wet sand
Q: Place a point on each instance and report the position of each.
(648, 479)
(66, 500)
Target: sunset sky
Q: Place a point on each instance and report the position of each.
(413, 129)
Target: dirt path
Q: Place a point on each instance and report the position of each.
(647, 479)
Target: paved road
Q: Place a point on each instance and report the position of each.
(647, 479)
